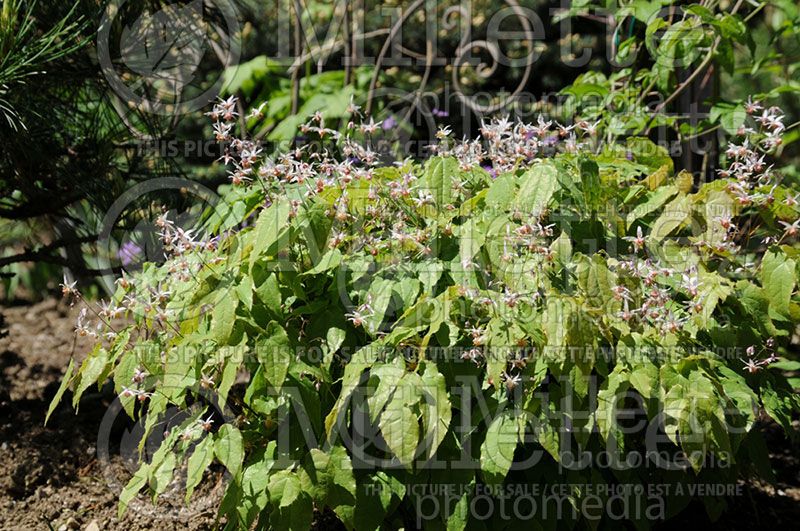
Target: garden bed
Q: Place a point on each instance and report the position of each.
(52, 477)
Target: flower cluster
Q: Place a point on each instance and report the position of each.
(504, 144)
(391, 217)
(754, 181)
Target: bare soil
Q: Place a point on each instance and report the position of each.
(53, 477)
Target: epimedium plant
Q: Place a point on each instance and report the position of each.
(349, 335)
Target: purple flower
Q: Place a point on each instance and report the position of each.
(490, 170)
(128, 253)
(389, 123)
(439, 113)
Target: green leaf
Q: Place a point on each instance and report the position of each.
(380, 295)
(296, 517)
(161, 476)
(713, 290)
(231, 364)
(198, 462)
(537, 187)
(223, 319)
(500, 343)
(675, 214)
(644, 378)
(778, 280)
(333, 341)
(328, 478)
(132, 488)
(269, 226)
(330, 260)
(275, 354)
(388, 377)
(647, 152)
(562, 247)
(780, 401)
(590, 181)
(471, 240)
(731, 116)
(595, 279)
(361, 360)
(458, 519)
(654, 201)
(341, 469)
(244, 291)
(497, 450)
(228, 448)
(400, 429)
(377, 492)
(694, 415)
(501, 192)
(284, 488)
(429, 274)
(270, 294)
(436, 409)
(440, 173)
(123, 373)
(93, 366)
(608, 401)
(61, 389)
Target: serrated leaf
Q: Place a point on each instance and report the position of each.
(244, 291)
(501, 192)
(778, 280)
(380, 295)
(93, 366)
(675, 214)
(388, 377)
(440, 173)
(230, 369)
(284, 488)
(161, 476)
(780, 401)
(65, 381)
(228, 448)
(537, 187)
(595, 279)
(608, 401)
(330, 260)
(590, 183)
(654, 201)
(562, 247)
(223, 319)
(400, 429)
(429, 274)
(270, 294)
(132, 488)
(198, 462)
(275, 354)
(644, 378)
(497, 450)
(436, 409)
(270, 224)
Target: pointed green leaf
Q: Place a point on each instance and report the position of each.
(497, 450)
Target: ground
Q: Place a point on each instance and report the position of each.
(54, 477)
